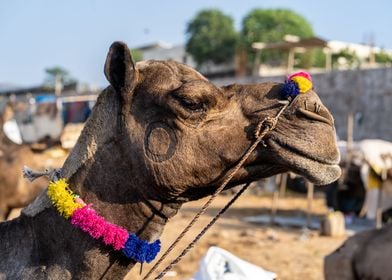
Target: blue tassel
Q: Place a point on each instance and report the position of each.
(289, 89)
(140, 250)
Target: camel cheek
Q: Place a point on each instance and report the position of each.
(160, 142)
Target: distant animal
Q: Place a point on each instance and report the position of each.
(15, 191)
(160, 135)
(363, 256)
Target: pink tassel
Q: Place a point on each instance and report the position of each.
(89, 221)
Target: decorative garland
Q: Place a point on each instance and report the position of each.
(300, 82)
(70, 206)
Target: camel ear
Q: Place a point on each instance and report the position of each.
(120, 68)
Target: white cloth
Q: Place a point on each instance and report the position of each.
(219, 264)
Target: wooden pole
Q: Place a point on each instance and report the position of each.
(350, 133)
(275, 199)
(256, 65)
(349, 148)
(290, 61)
(380, 198)
(328, 59)
(283, 184)
(310, 191)
(379, 209)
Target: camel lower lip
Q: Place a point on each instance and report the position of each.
(316, 171)
(303, 154)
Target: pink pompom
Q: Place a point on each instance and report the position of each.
(304, 74)
(89, 221)
(120, 239)
(84, 218)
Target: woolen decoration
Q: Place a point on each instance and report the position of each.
(89, 221)
(82, 216)
(297, 83)
(62, 198)
(141, 250)
(289, 89)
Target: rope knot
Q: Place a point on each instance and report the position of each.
(270, 123)
(265, 125)
(31, 175)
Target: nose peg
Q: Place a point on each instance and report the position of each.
(284, 102)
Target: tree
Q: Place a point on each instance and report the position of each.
(137, 55)
(270, 25)
(57, 72)
(346, 58)
(383, 57)
(211, 37)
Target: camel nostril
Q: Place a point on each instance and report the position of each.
(315, 116)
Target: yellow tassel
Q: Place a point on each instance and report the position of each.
(304, 84)
(62, 198)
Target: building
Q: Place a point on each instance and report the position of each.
(365, 56)
(164, 51)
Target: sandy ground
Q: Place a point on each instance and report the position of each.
(291, 253)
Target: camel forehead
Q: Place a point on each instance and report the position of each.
(165, 75)
(174, 67)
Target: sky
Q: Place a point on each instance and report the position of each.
(76, 34)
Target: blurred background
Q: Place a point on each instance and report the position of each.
(51, 71)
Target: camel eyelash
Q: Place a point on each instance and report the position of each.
(189, 104)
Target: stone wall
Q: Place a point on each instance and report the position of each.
(366, 93)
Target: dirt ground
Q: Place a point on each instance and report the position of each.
(291, 253)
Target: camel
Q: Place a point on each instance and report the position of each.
(15, 192)
(362, 256)
(160, 135)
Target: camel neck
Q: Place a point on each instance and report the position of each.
(101, 170)
(108, 184)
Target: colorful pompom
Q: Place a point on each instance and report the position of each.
(289, 89)
(62, 198)
(89, 221)
(141, 250)
(300, 82)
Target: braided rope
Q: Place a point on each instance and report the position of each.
(262, 129)
(200, 235)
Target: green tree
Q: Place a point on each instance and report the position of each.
(383, 57)
(269, 26)
(349, 57)
(211, 37)
(58, 72)
(318, 58)
(137, 55)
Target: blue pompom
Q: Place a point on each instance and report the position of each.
(153, 251)
(289, 89)
(140, 250)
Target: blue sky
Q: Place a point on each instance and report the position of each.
(76, 34)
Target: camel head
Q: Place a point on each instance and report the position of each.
(181, 133)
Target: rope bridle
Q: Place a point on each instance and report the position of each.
(262, 128)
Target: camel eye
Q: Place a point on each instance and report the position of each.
(192, 105)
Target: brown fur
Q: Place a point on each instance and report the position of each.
(159, 136)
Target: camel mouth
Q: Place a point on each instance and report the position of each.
(320, 171)
(302, 153)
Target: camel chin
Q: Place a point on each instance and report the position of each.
(317, 170)
(319, 173)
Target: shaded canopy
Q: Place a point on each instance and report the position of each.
(307, 43)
